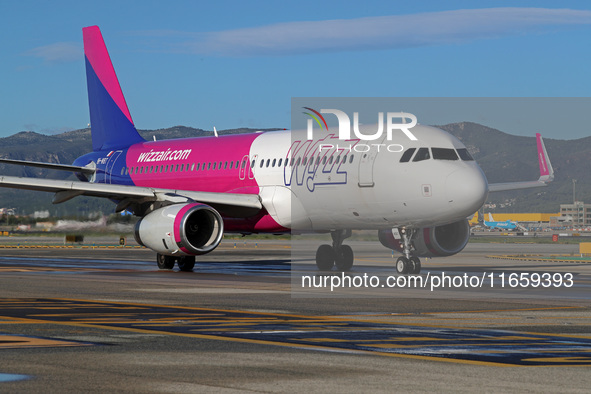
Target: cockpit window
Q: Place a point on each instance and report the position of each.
(465, 155)
(422, 154)
(444, 154)
(407, 155)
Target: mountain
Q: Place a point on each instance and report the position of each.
(502, 156)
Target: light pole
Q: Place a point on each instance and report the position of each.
(574, 191)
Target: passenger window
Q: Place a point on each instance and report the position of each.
(232, 164)
(197, 169)
(274, 161)
(182, 167)
(330, 160)
(225, 165)
(299, 160)
(444, 154)
(214, 164)
(279, 163)
(422, 154)
(407, 155)
(244, 164)
(208, 166)
(268, 162)
(262, 163)
(351, 159)
(465, 155)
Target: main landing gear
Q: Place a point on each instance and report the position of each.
(337, 254)
(408, 263)
(185, 263)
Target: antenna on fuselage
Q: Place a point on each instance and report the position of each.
(215, 131)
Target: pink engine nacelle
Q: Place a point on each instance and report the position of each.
(438, 241)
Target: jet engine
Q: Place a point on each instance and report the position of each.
(436, 241)
(181, 229)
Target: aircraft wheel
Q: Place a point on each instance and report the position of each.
(402, 265)
(186, 263)
(415, 265)
(165, 262)
(325, 257)
(344, 258)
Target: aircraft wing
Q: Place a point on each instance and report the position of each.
(65, 190)
(546, 173)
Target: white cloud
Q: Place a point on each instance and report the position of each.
(57, 53)
(383, 32)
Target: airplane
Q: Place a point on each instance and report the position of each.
(506, 225)
(189, 192)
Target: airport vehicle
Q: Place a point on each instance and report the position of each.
(188, 192)
(506, 225)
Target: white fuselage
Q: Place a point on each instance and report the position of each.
(371, 188)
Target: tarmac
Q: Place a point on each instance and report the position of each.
(102, 318)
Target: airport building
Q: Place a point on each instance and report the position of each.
(579, 213)
(576, 215)
(518, 217)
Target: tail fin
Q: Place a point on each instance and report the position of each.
(110, 120)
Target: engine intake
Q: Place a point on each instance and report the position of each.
(181, 229)
(438, 241)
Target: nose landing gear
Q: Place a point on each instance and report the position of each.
(409, 263)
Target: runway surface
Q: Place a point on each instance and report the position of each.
(106, 319)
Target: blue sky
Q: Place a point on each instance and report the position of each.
(237, 64)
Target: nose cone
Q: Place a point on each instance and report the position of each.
(466, 189)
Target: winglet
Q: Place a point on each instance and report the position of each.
(110, 120)
(546, 170)
(546, 173)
